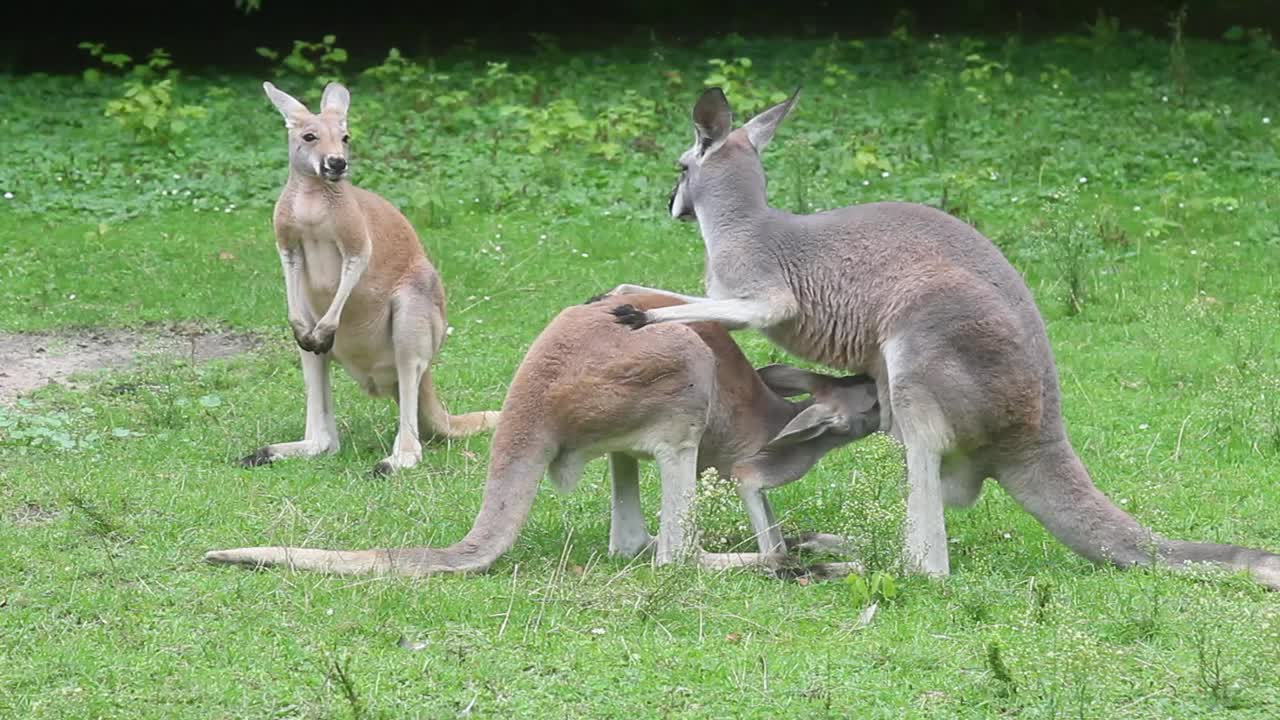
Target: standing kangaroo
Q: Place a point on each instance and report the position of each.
(685, 396)
(935, 313)
(359, 288)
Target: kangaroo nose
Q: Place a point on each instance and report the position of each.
(336, 164)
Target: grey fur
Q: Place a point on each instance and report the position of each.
(935, 313)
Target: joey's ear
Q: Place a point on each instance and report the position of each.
(854, 394)
(335, 99)
(788, 381)
(761, 127)
(712, 119)
(292, 110)
(807, 425)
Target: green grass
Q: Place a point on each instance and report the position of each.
(1167, 354)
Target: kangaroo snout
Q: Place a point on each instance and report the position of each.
(335, 165)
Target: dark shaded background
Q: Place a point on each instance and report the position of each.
(42, 36)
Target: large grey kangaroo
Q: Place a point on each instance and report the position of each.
(934, 312)
(685, 396)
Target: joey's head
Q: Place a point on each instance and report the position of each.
(843, 408)
(723, 167)
(317, 142)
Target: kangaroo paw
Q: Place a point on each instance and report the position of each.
(629, 315)
(261, 456)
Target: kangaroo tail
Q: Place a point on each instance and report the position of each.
(517, 463)
(1057, 490)
(435, 421)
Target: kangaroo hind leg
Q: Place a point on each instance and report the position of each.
(321, 434)
(628, 535)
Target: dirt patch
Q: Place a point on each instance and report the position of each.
(32, 514)
(32, 360)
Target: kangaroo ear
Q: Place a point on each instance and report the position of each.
(335, 99)
(712, 119)
(760, 128)
(807, 425)
(857, 394)
(788, 381)
(292, 110)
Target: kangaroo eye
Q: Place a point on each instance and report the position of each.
(346, 138)
(309, 137)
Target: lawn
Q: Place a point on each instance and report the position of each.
(1136, 185)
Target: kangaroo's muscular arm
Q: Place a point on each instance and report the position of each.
(300, 318)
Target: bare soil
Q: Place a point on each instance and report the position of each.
(29, 361)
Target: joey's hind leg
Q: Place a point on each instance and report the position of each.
(321, 435)
(412, 341)
(763, 522)
(678, 466)
(628, 535)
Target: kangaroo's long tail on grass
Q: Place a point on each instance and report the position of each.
(517, 464)
(1057, 490)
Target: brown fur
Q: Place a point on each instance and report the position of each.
(359, 289)
(685, 396)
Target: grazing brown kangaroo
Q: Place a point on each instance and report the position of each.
(935, 313)
(684, 396)
(359, 288)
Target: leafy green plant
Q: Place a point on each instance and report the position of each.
(498, 82)
(734, 77)
(395, 72)
(981, 75)
(114, 61)
(1065, 239)
(25, 427)
(148, 111)
(631, 119)
(146, 106)
(877, 587)
(1104, 32)
(320, 62)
